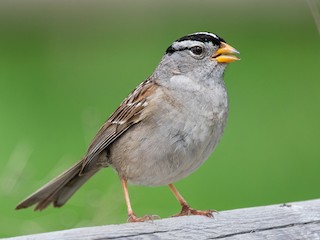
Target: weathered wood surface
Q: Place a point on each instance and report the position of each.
(299, 220)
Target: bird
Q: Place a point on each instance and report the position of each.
(162, 132)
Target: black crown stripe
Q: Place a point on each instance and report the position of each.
(201, 37)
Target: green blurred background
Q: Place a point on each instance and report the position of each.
(66, 65)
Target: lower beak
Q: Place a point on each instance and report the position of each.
(224, 54)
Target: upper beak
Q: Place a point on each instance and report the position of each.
(224, 54)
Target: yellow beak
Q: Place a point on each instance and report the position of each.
(224, 54)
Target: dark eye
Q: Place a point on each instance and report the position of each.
(197, 50)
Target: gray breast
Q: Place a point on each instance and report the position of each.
(165, 148)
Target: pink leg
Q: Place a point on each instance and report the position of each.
(186, 210)
(131, 215)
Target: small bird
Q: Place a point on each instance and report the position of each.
(163, 131)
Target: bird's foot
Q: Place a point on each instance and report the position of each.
(187, 211)
(133, 218)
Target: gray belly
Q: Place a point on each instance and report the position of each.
(156, 153)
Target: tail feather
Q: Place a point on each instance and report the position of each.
(59, 190)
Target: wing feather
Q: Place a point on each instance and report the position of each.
(127, 114)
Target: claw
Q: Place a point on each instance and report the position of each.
(133, 218)
(187, 211)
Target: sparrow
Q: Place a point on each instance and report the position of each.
(162, 132)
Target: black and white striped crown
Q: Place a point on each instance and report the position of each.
(199, 36)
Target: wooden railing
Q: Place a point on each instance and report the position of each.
(298, 220)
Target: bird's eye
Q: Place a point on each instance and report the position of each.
(196, 50)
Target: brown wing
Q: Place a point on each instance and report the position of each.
(126, 115)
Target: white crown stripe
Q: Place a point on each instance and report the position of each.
(184, 44)
(207, 33)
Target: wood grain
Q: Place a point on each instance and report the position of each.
(298, 220)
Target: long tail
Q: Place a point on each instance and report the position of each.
(60, 189)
